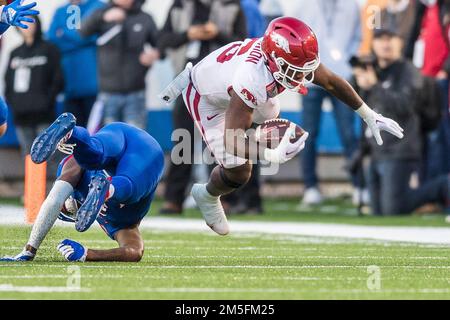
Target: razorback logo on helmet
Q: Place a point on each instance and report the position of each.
(249, 96)
(281, 42)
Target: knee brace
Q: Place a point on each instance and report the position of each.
(228, 182)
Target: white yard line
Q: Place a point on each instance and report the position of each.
(38, 289)
(158, 267)
(10, 215)
(281, 290)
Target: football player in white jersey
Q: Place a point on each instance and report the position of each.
(12, 13)
(236, 86)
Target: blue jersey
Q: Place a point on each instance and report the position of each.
(130, 152)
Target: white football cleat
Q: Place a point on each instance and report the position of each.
(211, 209)
(312, 196)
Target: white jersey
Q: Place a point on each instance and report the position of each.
(239, 66)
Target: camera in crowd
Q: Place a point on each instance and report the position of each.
(363, 61)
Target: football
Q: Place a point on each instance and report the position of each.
(272, 131)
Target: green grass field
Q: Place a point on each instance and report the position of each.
(206, 266)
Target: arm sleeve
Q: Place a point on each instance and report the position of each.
(49, 212)
(92, 24)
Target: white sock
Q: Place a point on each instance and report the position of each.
(49, 212)
(208, 195)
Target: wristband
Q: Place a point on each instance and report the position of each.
(364, 111)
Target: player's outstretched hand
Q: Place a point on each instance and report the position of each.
(377, 123)
(15, 14)
(23, 256)
(286, 150)
(72, 250)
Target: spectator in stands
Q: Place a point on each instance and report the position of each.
(399, 15)
(32, 82)
(338, 28)
(272, 9)
(124, 32)
(391, 86)
(80, 90)
(193, 29)
(370, 20)
(429, 48)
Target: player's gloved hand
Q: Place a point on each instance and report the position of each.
(23, 256)
(72, 250)
(14, 14)
(376, 123)
(286, 150)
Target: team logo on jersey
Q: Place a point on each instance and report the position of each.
(280, 42)
(249, 97)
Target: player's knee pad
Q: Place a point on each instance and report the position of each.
(232, 183)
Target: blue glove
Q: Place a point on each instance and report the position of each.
(14, 14)
(72, 250)
(23, 256)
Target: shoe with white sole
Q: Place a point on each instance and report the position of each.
(360, 196)
(211, 209)
(54, 137)
(312, 196)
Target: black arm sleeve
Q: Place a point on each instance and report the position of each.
(91, 25)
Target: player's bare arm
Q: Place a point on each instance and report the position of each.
(342, 90)
(71, 172)
(131, 248)
(337, 86)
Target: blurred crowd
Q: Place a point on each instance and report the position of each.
(394, 52)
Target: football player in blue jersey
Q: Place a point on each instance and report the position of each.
(110, 177)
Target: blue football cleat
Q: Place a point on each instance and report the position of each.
(46, 143)
(23, 256)
(94, 203)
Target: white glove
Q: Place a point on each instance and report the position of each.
(286, 150)
(376, 122)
